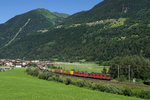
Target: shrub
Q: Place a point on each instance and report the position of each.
(144, 94)
(67, 81)
(35, 72)
(44, 76)
(32, 71)
(29, 71)
(95, 86)
(50, 79)
(113, 89)
(81, 83)
(127, 92)
(101, 88)
(57, 78)
(49, 74)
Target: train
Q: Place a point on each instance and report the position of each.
(79, 74)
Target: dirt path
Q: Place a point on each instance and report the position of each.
(18, 32)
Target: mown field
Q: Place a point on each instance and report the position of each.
(17, 85)
(86, 67)
(3, 66)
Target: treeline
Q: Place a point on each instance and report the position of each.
(133, 67)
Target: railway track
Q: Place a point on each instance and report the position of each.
(108, 82)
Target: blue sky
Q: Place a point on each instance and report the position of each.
(11, 8)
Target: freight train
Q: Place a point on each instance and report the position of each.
(79, 74)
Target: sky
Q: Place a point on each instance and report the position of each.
(11, 8)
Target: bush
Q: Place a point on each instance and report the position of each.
(28, 69)
(144, 94)
(81, 83)
(107, 88)
(113, 89)
(57, 78)
(44, 76)
(67, 81)
(95, 86)
(50, 79)
(127, 92)
(35, 72)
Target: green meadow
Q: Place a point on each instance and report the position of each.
(17, 85)
(86, 67)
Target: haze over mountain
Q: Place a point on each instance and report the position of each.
(112, 28)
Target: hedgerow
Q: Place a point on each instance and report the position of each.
(143, 93)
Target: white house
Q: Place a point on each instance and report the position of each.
(10, 64)
(18, 65)
(35, 61)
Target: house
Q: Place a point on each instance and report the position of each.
(18, 65)
(10, 64)
(35, 61)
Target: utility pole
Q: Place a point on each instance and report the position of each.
(96, 68)
(76, 68)
(129, 72)
(118, 71)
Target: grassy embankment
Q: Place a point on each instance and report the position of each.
(17, 85)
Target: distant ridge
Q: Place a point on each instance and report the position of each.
(41, 19)
(113, 28)
(108, 9)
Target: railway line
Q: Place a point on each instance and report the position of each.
(106, 81)
(102, 78)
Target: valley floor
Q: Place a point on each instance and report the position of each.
(17, 85)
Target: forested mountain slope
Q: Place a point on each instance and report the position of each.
(34, 20)
(108, 9)
(108, 30)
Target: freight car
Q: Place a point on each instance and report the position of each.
(93, 75)
(80, 74)
(68, 72)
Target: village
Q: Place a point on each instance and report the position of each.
(8, 64)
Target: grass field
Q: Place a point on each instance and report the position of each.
(88, 67)
(3, 66)
(17, 85)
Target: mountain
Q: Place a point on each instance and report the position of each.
(28, 23)
(112, 28)
(109, 9)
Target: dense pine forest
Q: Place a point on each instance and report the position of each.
(110, 29)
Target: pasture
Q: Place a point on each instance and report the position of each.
(17, 85)
(86, 67)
